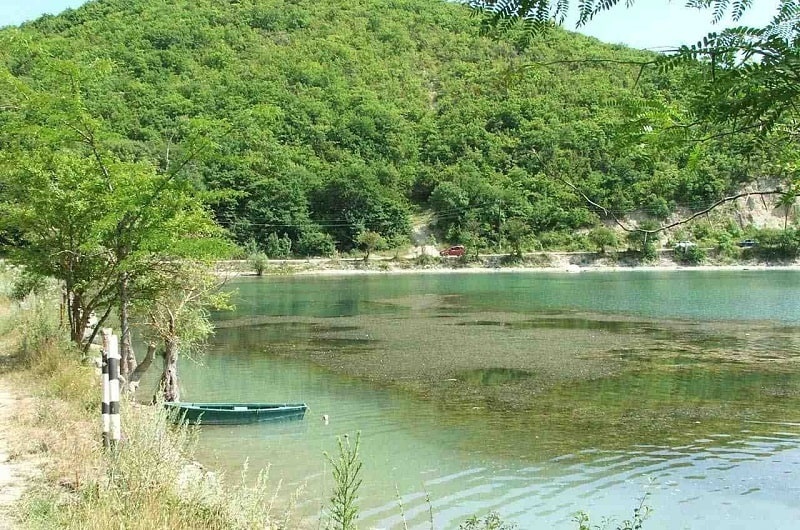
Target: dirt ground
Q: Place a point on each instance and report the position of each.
(15, 470)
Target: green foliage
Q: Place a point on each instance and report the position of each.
(258, 262)
(370, 241)
(41, 336)
(602, 238)
(426, 260)
(640, 515)
(353, 202)
(777, 244)
(315, 244)
(85, 212)
(346, 469)
(179, 310)
(691, 255)
(491, 521)
(751, 81)
(736, 114)
(644, 242)
(278, 247)
(27, 283)
(516, 232)
(297, 136)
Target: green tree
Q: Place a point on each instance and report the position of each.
(369, 242)
(450, 203)
(320, 142)
(516, 232)
(602, 238)
(315, 243)
(278, 247)
(471, 236)
(644, 240)
(690, 255)
(258, 261)
(178, 315)
(353, 202)
(787, 201)
(743, 81)
(96, 222)
(778, 244)
(753, 81)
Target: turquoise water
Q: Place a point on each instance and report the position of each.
(537, 470)
(706, 295)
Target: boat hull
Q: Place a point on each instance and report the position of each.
(235, 413)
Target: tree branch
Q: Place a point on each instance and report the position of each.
(679, 222)
(88, 139)
(144, 365)
(100, 323)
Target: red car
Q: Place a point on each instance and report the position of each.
(457, 250)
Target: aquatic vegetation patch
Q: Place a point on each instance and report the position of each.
(482, 323)
(614, 326)
(493, 376)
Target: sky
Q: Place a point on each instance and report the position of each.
(651, 24)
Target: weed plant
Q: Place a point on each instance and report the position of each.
(491, 521)
(346, 469)
(640, 514)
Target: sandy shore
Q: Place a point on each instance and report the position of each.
(559, 264)
(551, 270)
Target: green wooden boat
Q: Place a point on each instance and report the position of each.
(235, 413)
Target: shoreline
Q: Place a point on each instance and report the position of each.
(544, 270)
(332, 267)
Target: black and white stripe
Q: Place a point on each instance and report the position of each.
(105, 406)
(110, 407)
(113, 389)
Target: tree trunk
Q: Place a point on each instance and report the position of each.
(169, 377)
(141, 368)
(128, 362)
(79, 318)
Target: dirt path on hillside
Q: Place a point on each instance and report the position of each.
(15, 471)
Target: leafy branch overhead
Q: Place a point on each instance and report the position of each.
(754, 73)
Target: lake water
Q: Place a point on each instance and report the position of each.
(698, 409)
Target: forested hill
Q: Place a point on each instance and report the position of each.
(333, 117)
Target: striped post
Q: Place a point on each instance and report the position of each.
(105, 407)
(113, 389)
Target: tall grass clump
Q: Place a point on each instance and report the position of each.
(29, 315)
(148, 481)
